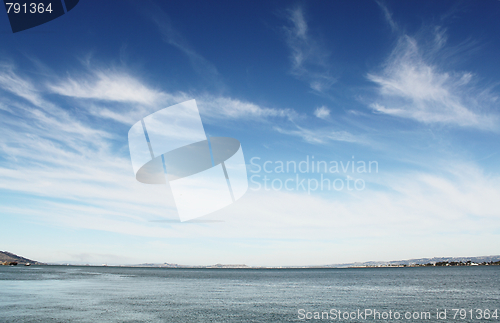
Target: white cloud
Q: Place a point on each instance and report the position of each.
(322, 112)
(108, 86)
(409, 86)
(309, 59)
(220, 107)
(320, 136)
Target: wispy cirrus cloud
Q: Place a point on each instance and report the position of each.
(388, 16)
(221, 107)
(206, 69)
(124, 98)
(410, 87)
(320, 136)
(413, 84)
(108, 85)
(11, 82)
(112, 94)
(310, 60)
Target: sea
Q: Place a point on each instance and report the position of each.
(124, 294)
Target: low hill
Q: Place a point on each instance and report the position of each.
(421, 261)
(7, 257)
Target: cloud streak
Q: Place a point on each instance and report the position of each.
(320, 136)
(220, 107)
(11, 82)
(388, 16)
(308, 58)
(170, 35)
(108, 86)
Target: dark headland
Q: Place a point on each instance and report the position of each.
(7, 258)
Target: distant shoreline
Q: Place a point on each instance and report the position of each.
(7, 258)
(283, 267)
(242, 269)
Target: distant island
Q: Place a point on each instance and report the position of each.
(8, 258)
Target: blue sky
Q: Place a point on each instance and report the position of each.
(412, 86)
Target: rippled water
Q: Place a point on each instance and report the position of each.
(110, 294)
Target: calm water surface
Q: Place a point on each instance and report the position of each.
(109, 294)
